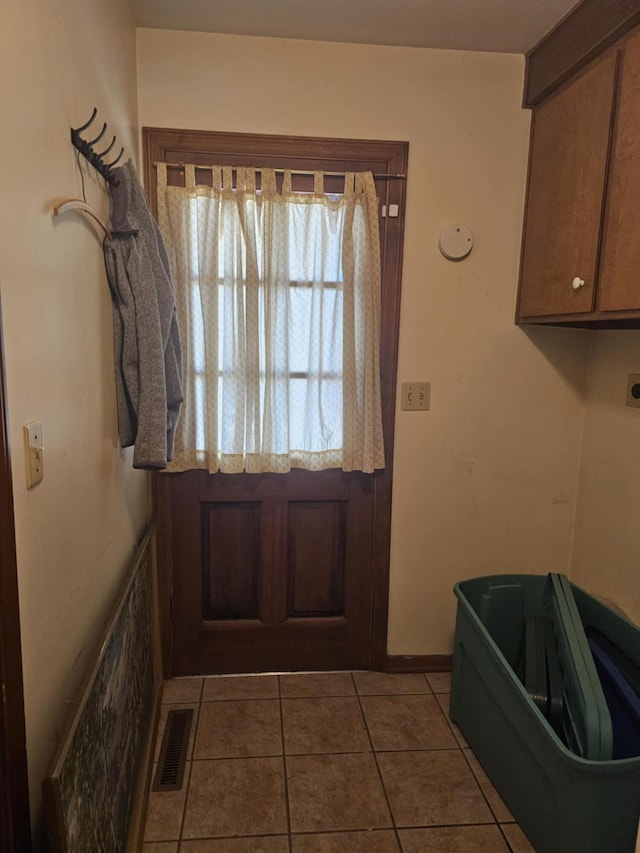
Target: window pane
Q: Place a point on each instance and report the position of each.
(315, 324)
(315, 242)
(315, 414)
(304, 301)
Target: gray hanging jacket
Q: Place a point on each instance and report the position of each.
(146, 338)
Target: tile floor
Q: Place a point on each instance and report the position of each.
(357, 762)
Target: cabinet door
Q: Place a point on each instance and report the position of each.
(619, 277)
(567, 171)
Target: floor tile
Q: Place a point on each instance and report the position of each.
(370, 683)
(253, 844)
(240, 687)
(406, 722)
(162, 719)
(329, 724)
(181, 690)
(430, 788)
(317, 684)
(164, 813)
(239, 796)
(497, 804)
(440, 682)
(443, 701)
(237, 801)
(376, 841)
(453, 839)
(239, 729)
(518, 841)
(335, 792)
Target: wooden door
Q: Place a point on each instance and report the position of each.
(567, 173)
(282, 572)
(618, 286)
(15, 830)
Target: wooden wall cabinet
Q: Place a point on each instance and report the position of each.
(581, 243)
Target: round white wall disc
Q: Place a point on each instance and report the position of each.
(456, 241)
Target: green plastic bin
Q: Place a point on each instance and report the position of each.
(564, 803)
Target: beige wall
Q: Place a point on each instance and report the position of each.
(77, 529)
(485, 481)
(606, 558)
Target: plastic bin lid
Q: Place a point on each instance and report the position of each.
(587, 721)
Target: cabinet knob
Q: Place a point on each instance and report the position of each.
(577, 283)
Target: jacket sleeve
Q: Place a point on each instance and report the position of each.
(125, 344)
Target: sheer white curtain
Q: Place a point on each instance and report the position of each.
(278, 296)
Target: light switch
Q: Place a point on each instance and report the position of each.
(34, 452)
(415, 396)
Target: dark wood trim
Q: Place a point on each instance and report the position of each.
(15, 827)
(583, 321)
(163, 569)
(418, 663)
(525, 216)
(198, 147)
(392, 238)
(582, 35)
(384, 156)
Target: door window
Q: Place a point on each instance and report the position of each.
(278, 295)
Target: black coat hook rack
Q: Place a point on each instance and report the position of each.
(85, 147)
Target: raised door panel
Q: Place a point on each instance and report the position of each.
(567, 173)
(619, 283)
(231, 560)
(316, 558)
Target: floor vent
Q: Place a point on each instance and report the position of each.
(173, 755)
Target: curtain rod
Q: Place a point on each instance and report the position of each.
(293, 171)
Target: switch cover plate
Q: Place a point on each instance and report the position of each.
(415, 396)
(34, 452)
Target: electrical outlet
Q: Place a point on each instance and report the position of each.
(415, 396)
(633, 390)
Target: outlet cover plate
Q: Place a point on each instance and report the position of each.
(633, 390)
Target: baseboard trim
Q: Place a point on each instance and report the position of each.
(418, 663)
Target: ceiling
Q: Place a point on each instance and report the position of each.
(505, 26)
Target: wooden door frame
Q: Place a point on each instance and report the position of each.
(389, 158)
(15, 829)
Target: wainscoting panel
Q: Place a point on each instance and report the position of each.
(89, 795)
